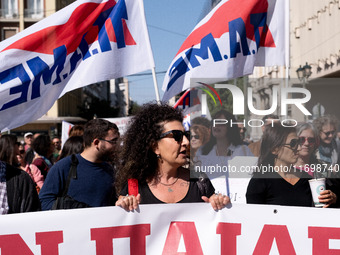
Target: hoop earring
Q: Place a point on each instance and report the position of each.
(159, 157)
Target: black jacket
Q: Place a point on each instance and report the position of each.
(21, 192)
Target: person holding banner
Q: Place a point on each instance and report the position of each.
(151, 171)
(276, 181)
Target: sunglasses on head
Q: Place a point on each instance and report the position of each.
(176, 134)
(302, 140)
(294, 143)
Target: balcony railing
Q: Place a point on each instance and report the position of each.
(29, 13)
(34, 13)
(9, 14)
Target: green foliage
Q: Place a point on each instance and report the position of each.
(134, 108)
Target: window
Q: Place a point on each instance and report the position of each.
(8, 32)
(34, 9)
(9, 8)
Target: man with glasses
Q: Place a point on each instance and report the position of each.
(327, 150)
(95, 176)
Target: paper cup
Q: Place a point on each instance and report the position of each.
(316, 186)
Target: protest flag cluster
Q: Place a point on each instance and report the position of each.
(89, 41)
(229, 42)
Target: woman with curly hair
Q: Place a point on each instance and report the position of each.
(155, 148)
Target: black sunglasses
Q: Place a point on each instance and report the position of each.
(329, 133)
(176, 134)
(195, 136)
(302, 140)
(294, 143)
(113, 141)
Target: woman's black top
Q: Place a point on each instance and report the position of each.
(193, 195)
(271, 188)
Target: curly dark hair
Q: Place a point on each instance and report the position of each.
(137, 159)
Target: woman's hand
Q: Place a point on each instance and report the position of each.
(327, 197)
(217, 201)
(128, 203)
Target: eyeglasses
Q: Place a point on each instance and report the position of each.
(302, 140)
(113, 141)
(176, 134)
(329, 133)
(195, 136)
(294, 143)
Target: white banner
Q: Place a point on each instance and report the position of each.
(233, 38)
(173, 229)
(88, 41)
(122, 123)
(65, 130)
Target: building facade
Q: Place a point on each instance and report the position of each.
(314, 42)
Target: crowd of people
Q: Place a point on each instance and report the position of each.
(288, 157)
(153, 163)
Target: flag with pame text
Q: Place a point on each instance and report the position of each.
(89, 41)
(233, 38)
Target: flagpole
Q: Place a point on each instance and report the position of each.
(287, 43)
(155, 84)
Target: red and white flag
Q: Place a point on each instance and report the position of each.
(233, 38)
(87, 42)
